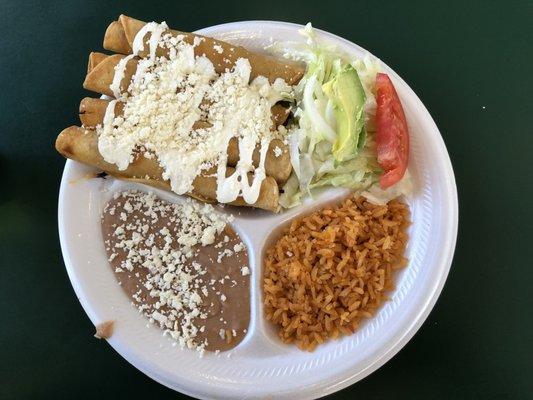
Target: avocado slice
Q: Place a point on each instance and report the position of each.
(347, 95)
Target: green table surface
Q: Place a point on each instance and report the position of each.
(470, 63)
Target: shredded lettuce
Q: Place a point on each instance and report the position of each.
(376, 195)
(332, 138)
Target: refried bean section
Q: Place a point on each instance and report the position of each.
(183, 267)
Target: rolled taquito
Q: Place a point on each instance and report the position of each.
(277, 163)
(81, 145)
(120, 34)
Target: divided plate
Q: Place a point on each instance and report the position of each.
(261, 366)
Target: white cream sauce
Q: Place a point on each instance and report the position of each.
(119, 76)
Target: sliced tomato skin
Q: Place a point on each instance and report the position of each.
(392, 133)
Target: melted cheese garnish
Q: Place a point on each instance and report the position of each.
(167, 96)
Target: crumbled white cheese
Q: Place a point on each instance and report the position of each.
(245, 271)
(164, 102)
(224, 253)
(208, 236)
(238, 247)
(197, 40)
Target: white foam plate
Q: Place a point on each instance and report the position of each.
(261, 366)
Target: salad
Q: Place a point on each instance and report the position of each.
(349, 128)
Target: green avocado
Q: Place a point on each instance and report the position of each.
(347, 95)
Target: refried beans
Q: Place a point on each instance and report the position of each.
(183, 267)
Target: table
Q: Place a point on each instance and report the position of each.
(470, 63)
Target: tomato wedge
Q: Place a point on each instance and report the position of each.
(392, 135)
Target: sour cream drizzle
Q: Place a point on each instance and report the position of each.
(119, 75)
(229, 188)
(110, 113)
(156, 31)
